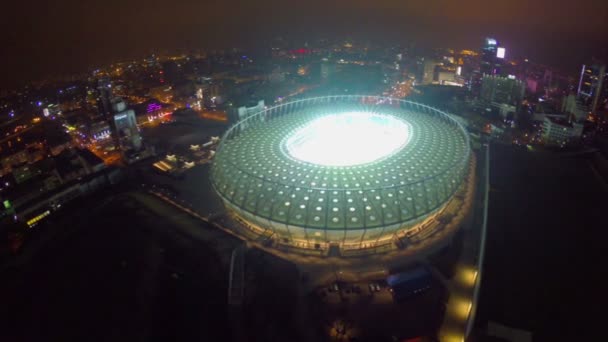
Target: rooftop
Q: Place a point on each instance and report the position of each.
(89, 157)
(560, 121)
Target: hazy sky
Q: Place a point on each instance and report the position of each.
(39, 37)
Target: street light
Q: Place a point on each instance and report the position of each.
(462, 308)
(468, 276)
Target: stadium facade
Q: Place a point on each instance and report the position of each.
(356, 172)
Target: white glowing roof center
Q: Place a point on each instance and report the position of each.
(350, 138)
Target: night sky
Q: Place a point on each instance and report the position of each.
(41, 37)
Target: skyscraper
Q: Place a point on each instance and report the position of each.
(104, 97)
(129, 138)
(591, 84)
(104, 107)
(122, 122)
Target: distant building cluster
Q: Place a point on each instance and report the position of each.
(46, 185)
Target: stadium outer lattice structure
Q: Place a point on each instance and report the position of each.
(296, 201)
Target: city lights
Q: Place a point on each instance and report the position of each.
(376, 179)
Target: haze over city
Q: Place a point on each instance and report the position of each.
(43, 38)
(418, 171)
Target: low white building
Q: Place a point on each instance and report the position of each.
(560, 132)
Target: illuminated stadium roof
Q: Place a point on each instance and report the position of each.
(341, 163)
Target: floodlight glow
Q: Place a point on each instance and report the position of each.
(350, 138)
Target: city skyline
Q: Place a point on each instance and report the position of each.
(68, 37)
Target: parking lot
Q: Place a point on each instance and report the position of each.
(357, 293)
(367, 310)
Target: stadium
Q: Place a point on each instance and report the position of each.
(353, 173)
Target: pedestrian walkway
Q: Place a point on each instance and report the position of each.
(236, 281)
(465, 284)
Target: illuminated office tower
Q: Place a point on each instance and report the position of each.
(121, 120)
(125, 124)
(104, 106)
(502, 90)
(492, 56)
(591, 88)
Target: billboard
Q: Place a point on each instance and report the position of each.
(500, 52)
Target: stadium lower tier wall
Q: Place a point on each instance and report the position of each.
(314, 238)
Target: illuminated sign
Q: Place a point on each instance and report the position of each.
(491, 41)
(153, 107)
(500, 52)
(459, 70)
(46, 112)
(35, 220)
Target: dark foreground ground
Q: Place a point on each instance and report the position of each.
(128, 267)
(118, 269)
(119, 275)
(545, 265)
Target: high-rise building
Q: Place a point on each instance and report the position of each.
(591, 86)
(121, 121)
(428, 71)
(492, 56)
(474, 82)
(104, 106)
(104, 97)
(572, 106)
(125, 124)
(502, 90)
